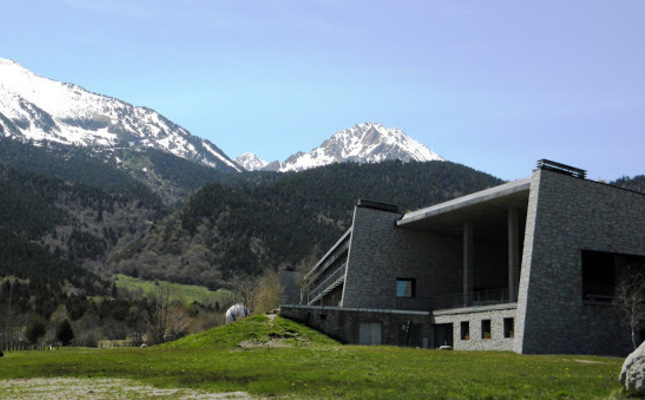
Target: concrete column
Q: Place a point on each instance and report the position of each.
(469, 257)
(513, 253)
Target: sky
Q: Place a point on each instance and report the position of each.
(494, 85)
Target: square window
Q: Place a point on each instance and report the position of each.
(405, 287)
(486, 333)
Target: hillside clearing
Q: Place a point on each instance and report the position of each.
(186, 293)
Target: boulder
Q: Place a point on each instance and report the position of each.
(633, 373)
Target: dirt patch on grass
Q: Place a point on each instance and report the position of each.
(69, 388)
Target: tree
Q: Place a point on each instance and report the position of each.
(158, 318)
(64, 332)
(244, 286)
(629, 298)
(36, 330)
(267, 294)
(302, 268)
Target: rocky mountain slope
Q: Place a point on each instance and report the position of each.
(362, 143)
(37, 109)
(251, 162)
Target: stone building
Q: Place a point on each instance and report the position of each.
(528, 266)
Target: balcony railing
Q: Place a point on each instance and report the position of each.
(471, 299)
(333, 280)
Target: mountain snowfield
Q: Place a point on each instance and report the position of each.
(251, 162)
(40, 109)
(37, 109)
(363, 143)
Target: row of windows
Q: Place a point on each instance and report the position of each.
(486, 332)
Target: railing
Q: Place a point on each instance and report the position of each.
(471, 299)
(328, 284)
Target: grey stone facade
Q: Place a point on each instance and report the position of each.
(568, 215)
(379, 254)
(504, 265)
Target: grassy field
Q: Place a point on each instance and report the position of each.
(187, 293)
(281, 359)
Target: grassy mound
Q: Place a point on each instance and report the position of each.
(258, 330)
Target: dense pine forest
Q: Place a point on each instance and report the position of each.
(259, 221)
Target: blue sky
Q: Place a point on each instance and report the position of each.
(494, 85)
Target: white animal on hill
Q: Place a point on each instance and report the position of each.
(236, 312)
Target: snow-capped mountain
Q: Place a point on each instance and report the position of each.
(43, 110)
(363, 143)
(251, 162)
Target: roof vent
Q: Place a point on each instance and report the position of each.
(378, 206)
(561, 168)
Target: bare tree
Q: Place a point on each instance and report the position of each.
(244, 286)
(267, 294)
(178, 322)
(158, 318)
(629, 298)
(302, 268)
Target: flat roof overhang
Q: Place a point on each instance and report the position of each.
(485, 205)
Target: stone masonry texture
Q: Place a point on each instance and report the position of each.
(567, 215)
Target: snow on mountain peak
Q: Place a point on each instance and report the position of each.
(251, 162)
(41, 109)
(363, 143)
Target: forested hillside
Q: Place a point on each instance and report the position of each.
(78, 222)
(258, 221)
(153, 177)
(636, 183)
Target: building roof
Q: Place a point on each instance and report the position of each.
(486, 202)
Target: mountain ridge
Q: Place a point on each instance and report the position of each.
(38, 109)
(367, 143)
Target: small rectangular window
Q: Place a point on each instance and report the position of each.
(509, 327)
(486, 333)
(405, 287)
(465, 330)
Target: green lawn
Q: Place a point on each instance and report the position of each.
(187, 293)
(318, 368)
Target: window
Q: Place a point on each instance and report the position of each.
(486, 334)
(509, 327)
(601, 271)
(405, 287)
(465, 330)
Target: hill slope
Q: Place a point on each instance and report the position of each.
(75, 221)
(264, 220)
(258, 330)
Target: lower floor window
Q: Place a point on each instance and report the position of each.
(465, 330)
(486, 334)
(509, 327)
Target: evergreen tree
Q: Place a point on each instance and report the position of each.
(64, 332)
(36, 330)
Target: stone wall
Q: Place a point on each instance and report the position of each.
(567, 215)
(474, 316)
(380, 253)
(343, 324)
